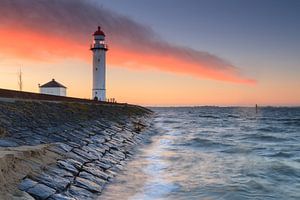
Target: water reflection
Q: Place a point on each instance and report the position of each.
(216, 153)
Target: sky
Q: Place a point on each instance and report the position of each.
(161, 53)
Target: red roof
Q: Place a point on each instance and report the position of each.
(99, 32)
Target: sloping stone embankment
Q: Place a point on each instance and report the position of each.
(88, 143)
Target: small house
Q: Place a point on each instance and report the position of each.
(53, 88)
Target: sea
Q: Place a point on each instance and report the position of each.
(215, 153)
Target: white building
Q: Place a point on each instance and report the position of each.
(99, 49)
(53, 88)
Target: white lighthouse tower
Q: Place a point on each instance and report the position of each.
(99, 49)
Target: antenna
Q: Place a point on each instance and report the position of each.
(20, 80)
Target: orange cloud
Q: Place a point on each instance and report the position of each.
(44, 30)
(136, 60)
(25, 44)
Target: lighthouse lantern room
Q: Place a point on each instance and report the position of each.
(99, 49)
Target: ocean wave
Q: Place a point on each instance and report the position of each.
(232, 116)
(266, 129)
(230, 153)
(292, 123)
(265, 138)
(284, 169)
(282, 155)
(201, 142)
(237, 150)
(168, 121)
(209, 116)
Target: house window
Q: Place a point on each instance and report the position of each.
(96, 68)
(98, 59)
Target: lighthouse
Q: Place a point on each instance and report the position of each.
(99, 49)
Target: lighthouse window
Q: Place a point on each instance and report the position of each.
(96, 68)
(98, 60)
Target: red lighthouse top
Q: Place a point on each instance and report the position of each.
(99, 32)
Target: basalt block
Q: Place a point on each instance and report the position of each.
(26, 184)
(58, 183)
(56, 171)
(96, 172)
(67, 166)
(41, 192)
(104, 166)
(89, 155)
(88, 185)
(101, 182)
(8, 143)
(81, 193)
(61, 197)
(78, 158)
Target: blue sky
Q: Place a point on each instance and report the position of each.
(239, 30)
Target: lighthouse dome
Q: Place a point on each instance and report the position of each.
(99, 32)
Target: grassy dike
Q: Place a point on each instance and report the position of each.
(65, 150)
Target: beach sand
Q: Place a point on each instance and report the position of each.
(16, 162)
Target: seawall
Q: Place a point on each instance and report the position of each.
(65, 149)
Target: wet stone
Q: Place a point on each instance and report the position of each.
(107, 144)
(96, 148)
(130, 142)
(26, 184)
(90, 133)
(75, 163)
(77, 157)
(114, 148)
(87, 184)
(73, 144)
(109, 132)
(119, 167)
(67, 166)
(112, 158)
(103, 124)
(108, 161)
(81, 193)
(102, 165)
(76, 140)
(8, 143)
(92, 151)
(110, 173)
(87, 140)
(118, 140)
(92, 178)
(114, 144)
(56, 138)
(34, 141)
(57, 150)
(56, 182)
(56, 171)
(61, 197)
(103, 146)
(40, 191)
(64, 147)
(96, 172)
(98, 139)
(118, 153)
(86, 154)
